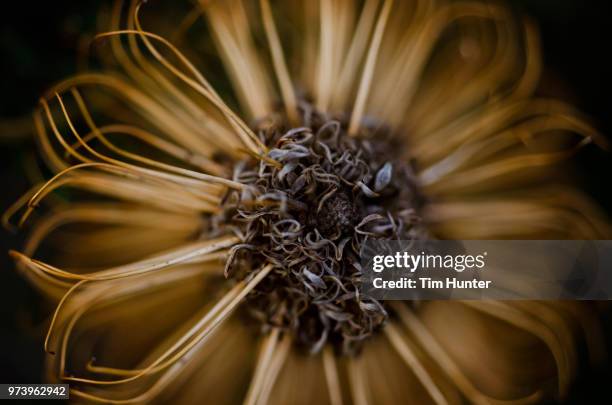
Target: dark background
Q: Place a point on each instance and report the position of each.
(38, 43)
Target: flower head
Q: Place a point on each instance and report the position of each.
(231, 206)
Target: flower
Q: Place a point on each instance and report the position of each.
(209, 248)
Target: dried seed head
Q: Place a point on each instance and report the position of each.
(309, 215)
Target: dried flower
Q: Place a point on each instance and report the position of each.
(207, 228)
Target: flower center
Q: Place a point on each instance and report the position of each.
(310, 205)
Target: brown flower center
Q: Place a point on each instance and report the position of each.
(308, 211)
